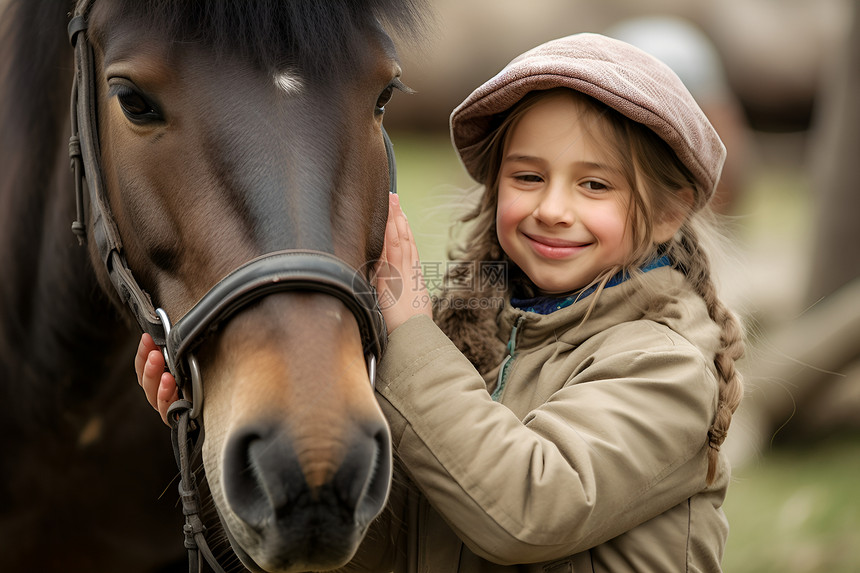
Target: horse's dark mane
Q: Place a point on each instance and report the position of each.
(28, 35)
(35, 79)
(319, 36)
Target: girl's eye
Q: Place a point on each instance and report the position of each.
(528, 178)
(135, 107)
(595, 186)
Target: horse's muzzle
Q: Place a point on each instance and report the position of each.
(302, 498)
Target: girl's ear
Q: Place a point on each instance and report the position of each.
(670, 220)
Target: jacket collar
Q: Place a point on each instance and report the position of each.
(662, 295)
(549, 304)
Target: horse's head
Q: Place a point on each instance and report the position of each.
(226, 131)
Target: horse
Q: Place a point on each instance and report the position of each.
(229, 183)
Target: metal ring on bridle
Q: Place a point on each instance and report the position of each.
(193, 370)
(197, 395)
(165, 322)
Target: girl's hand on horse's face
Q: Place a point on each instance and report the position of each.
(399, 280)
(159, 386)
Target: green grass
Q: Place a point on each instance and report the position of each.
(793, 511)
(775, 203)
(796, 511)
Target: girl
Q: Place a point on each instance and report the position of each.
(576, 426)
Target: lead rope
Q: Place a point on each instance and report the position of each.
(184, 432)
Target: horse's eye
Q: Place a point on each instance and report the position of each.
(384, 98)
(134, 105)
(386, 94)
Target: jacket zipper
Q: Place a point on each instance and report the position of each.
(507, 363)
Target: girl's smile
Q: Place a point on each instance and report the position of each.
(554, 248)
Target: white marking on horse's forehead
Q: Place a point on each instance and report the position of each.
(288, 81)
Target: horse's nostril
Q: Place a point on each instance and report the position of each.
(379, 483)
(257, 472)
(364, 478)
(240, 481)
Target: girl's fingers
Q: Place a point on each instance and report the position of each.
(404, 236)
(158, 385)
(407, 250)
(150, 380)
(146, 346)
(167, 394)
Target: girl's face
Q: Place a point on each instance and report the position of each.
(562, 206)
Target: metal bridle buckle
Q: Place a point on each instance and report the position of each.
(196, 398)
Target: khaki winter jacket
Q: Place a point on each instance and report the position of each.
(594, 458)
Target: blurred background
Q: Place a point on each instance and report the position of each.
(779, 80)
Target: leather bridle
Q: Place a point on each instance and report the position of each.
(281, 271)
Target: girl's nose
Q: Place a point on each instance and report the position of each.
(555, 207)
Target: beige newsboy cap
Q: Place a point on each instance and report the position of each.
(623, 77)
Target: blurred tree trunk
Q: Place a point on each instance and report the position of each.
(835, 171)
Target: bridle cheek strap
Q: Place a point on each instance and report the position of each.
(85, 160)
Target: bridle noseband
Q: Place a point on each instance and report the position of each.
(291, 270)
(281, 271)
